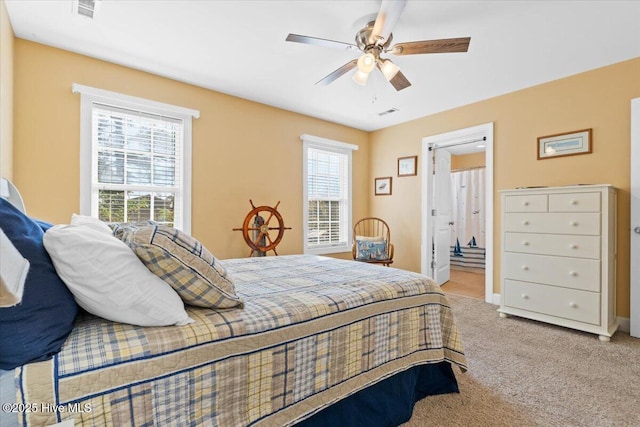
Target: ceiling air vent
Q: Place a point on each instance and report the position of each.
(85, 7)
(389, 111)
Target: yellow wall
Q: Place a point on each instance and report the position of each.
(6, 94)
(241, 150)
(597, 99)
(248, 150)
(468, 161)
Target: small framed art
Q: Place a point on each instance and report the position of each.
(407, 166)
(564, 144)
(383, 186)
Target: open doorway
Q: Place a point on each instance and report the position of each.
(467, 245)
(464, 149)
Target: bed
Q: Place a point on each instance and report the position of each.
(318, 341)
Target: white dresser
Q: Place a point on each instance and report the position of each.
(558, 257)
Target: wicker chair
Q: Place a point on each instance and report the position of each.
(372, 241)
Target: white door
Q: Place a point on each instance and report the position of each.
(635, 218)
(441, 224)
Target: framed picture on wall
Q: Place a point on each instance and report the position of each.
(407, 166)
(383, 186)
(564, 144)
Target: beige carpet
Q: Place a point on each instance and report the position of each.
(527, 373)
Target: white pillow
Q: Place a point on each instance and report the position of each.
(92, 222)
(13, 272)
(107, 279)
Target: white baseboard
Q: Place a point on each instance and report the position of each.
(625, 324)
(495, 300)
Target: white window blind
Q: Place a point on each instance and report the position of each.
(135, 159)
(328, 197)
(327, 187)
(139, 174)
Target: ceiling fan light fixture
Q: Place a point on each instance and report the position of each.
(388, 68)
(366, 63)
(360, 77)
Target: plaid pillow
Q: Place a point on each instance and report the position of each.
(182, 262)
(367, 250)
(118, 228)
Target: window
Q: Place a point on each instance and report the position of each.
(135, 159)
(327, 195)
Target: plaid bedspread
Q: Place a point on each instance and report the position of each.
(313, 331)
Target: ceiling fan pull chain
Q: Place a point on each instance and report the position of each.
(374, 91)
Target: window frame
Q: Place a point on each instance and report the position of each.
(318, 143)
(90, 96)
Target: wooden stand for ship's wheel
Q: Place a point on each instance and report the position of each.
(257, 231)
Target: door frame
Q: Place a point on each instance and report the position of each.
(634, 285)
(448, 139)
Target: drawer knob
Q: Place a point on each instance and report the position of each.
(525, 268)
(525, 243)
(525, 222)
(573, 273)
(573, 305)
(573, 246)
(525, 296)
(574, 223)
(525, 203)
(574, 202)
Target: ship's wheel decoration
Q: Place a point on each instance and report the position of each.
(257, 231)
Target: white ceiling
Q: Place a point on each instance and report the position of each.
(239, 48)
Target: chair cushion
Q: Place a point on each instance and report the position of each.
(35, 329)
(370, 239)
(367, 250)
(182, 261)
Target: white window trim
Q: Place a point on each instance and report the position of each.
(310, 141)
(90, 95)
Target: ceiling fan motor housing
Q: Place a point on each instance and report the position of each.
(366, 44)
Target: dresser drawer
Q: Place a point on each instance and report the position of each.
(575, 273)
(555, 244)
(574, 202)
(553, 223)
(526, 203)
(572, 304)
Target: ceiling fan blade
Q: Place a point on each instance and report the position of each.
(399, 81)
(432, 46)
(388, 15)
(339, 72)
(320, 42)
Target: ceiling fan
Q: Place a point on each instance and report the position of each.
(375, 39)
